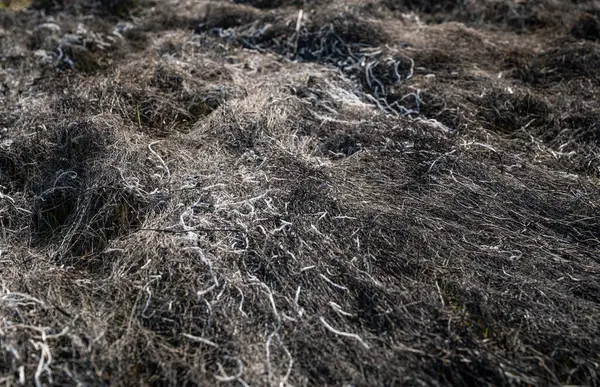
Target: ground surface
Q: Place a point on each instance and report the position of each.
(296, 192)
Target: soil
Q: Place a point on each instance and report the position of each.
(299, 192)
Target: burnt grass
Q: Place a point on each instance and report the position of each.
(300, 192)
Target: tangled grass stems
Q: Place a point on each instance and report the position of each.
(282, 229)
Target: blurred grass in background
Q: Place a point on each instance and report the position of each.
(15, 4)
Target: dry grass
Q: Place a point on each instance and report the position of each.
(215, 193)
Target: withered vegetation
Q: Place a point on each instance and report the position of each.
(300, 192)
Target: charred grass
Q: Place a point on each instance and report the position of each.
(243, 193)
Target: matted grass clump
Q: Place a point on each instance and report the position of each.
(297, 193)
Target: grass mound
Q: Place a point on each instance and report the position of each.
(298, 193)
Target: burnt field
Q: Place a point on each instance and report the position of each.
(299, 192)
